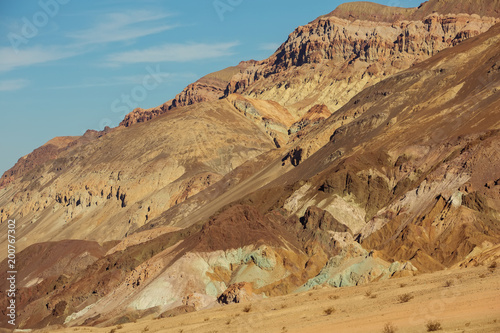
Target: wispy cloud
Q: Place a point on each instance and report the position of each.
(11, 85)
(10, 59)
(111, 27)
(124, 80)
(174, 53)
(269, 46)
(123, 26)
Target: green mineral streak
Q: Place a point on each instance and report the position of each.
(259, 260)
(211, 289)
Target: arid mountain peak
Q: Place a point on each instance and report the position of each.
(360, 151)
(369, 11)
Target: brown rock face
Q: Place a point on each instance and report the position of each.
(140, 115)
(236, 293)
(44, 268)
(318, 219)
(49, 151)
(237, 227)
(314, 116)
(24, 164)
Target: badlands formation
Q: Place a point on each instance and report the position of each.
(362, 158)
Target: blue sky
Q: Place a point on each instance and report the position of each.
(65, 65)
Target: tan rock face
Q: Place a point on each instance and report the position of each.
(130, 176)
(236, 293)
(331, 59)
(209, 88)
(315, 116)
(334, 57)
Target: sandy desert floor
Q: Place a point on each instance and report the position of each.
(461, 300)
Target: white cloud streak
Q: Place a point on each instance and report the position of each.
(10, 59)
(113, 27)
(123, 26)
(124, 80)
(174, 53)
(12, 85)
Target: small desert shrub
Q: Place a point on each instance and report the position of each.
(284, 306)
(146, 329)
(448, 283)
(402, 285)
(207, 319)
(228, 322)
(373, 296)
(310, 293)
(334, 297)
(482, 276)
(405, 298)
(492, 266)
(329, 311)
(389, 328)
(433, 326)
(247, 308)
(113, 330)
(368, 293)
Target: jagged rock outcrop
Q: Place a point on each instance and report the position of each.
(209, 88)
(270, 116)
(332, 59)
(314, 116)
(236, 293)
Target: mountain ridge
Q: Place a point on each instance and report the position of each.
(365, 10)
(258, 199)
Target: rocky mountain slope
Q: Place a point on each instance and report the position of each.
(109, 187)
(208, 88)
(329, 60)
(271, 194)
(333, 58)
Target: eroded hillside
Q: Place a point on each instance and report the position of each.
(284, 186)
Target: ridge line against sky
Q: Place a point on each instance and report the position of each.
(64, 62)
